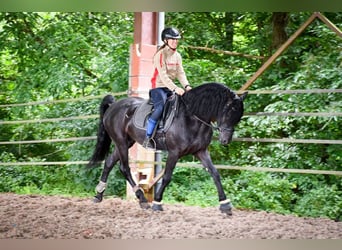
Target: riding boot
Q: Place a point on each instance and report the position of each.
(151, 124)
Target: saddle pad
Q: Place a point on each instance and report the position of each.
(145, 109)
(141, 114)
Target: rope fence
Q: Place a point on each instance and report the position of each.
(70, 139)
(61, 119)
(239, 139)
(321, 114)
(183, 164)
(292, 91)
(85, 117)
(253, 92)
(250, 168)
(84, 98)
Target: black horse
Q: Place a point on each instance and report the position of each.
(190, 133)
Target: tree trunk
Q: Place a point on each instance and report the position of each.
(279, 23)
(279, 35)
(229, 28)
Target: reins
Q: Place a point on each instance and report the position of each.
(211, 125)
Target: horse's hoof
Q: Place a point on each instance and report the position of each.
(144, 205)
(157, 207)
(226, 208)
(97, 198)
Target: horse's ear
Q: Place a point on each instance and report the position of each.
(243, 95)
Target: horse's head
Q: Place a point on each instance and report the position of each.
(216, 102)
(231, 115)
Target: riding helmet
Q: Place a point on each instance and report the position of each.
(170, 33)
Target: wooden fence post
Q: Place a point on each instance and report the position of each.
(287, 44)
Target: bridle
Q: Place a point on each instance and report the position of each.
(213, 126)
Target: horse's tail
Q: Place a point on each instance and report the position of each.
(103, 139)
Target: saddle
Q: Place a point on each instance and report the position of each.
(143, 112)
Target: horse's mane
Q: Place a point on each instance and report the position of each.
(208, 100)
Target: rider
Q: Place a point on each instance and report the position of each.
(168, 67)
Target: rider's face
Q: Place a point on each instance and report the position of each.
(172, 43)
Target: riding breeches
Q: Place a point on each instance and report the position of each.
(158, 97)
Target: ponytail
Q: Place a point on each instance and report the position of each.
(160, 48)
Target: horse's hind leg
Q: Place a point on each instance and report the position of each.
(108, 166)
(126, 171)
(139, 192)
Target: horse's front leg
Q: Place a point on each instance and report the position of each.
(225, 204)
(108, 166)
(169, 167)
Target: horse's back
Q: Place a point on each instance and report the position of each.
(122, 108)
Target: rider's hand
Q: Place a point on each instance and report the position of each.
(188, 87)
(179, 91)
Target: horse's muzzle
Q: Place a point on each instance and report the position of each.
(225, 137)
(225, 134)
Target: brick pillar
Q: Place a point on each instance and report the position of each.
(141, 71)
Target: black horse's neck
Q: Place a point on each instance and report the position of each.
(208, 100)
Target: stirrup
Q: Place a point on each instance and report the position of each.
(147, 143)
